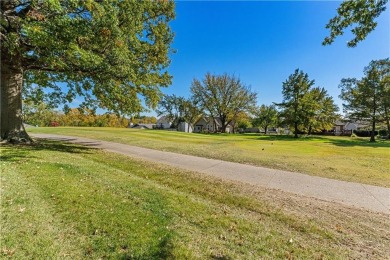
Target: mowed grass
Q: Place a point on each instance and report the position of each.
(343, 158)
(63, 201)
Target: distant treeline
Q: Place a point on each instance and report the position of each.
(41, 115)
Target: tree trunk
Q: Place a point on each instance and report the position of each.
(372, 139)
(310, 129)
(223, 125)
(11, 125)
(215, 125)
(388, 128)
(295, 129)
(265, 130)
(223, 129)
(387, 119)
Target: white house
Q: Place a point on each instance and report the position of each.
(341, 127)
(163, 122)
(185, 127)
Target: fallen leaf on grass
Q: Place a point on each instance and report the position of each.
(7, 252)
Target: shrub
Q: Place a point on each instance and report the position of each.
(383, 132)
(364, 133)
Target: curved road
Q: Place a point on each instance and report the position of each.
(358, 195)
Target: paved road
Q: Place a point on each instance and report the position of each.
(352, 194)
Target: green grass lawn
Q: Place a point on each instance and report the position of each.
(63, 201)
(343, 158)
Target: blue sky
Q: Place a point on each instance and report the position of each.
(263, 42)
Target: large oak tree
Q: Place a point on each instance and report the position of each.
(112, 51)
(223, 96)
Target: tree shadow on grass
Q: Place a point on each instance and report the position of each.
(360, 143)
(335, 140)
(14, 153)
(164, 250)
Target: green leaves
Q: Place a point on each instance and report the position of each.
(306, 107)
(266, 116)
(223, 96)
(368, 98)
(118, 49)
(358, 13)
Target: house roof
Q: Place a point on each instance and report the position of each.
(357, 123)
(164, 120)
(338, 122)
(143, 126)
(209, 120)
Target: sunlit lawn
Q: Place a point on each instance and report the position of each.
(343, 158)
(62, 201)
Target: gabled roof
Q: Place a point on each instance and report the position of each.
(143, 126)
(209, 120)
(164, 120)
(338, 122)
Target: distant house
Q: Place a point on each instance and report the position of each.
(210, 125)
(143, 126)
(163, 122)
(338, 127)
(346, 128)
(185, 127)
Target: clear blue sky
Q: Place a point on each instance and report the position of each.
(263, 42)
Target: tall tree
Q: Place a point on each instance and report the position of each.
(358, 13)
(386, 98)
(368, 98)
(111, 50)
(295, 88)
(171, 106)
(265, 116)
(243, 120)
(223, 96)
(320, 110)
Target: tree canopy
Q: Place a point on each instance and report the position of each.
(294, 90)
(223, 96)
(171, 106)
(107, 51)
(368, 98)
(358, 14)
(320, 111)
(305, 107)
(265, 116)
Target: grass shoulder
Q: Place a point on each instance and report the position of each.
(67, 201)
(343, 158)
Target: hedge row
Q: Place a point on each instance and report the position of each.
(364, 133)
